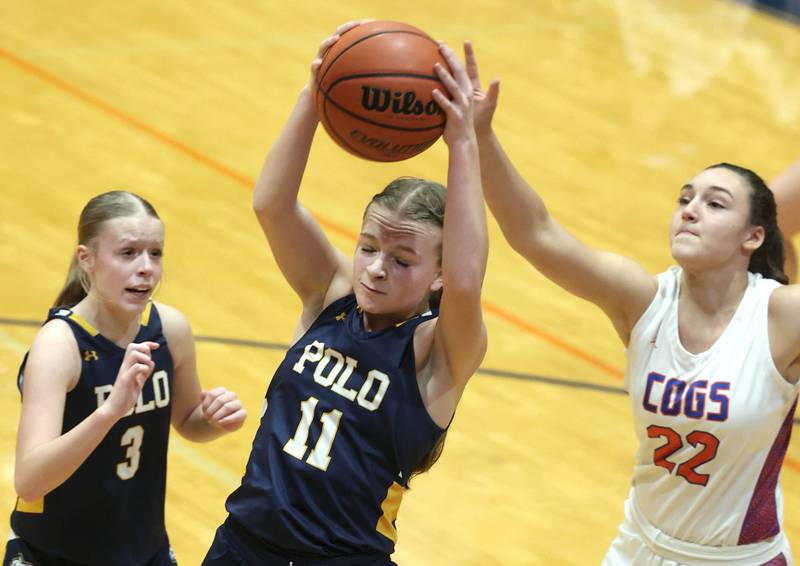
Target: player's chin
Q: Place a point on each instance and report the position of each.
(690, 259)
(135, 303)
(371, 303)
(681, 251)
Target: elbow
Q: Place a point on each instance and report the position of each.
(270, 208)
(519, 239)
(529, 243)
(467, 283)
(260, 203)
(264, 198)
(462, 292)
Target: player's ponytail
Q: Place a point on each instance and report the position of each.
(97, 211)
(430, 458)
(768, 258)
(75, 287)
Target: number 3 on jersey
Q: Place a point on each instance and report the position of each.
(319, 457)
(132, 438)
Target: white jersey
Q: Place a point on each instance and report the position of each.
(713, 427)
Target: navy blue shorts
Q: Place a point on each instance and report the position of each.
(225, 551)
(20, 553)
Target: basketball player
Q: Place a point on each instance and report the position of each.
(363, 398)
(105, 376)
(712, 346)
(786, 187)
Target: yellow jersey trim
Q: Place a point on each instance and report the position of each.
(84, 324)
(30, 506)
(390, 506)
(146, 313)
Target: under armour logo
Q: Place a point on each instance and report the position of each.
(341, 315)
(19, 560)
(90, 355)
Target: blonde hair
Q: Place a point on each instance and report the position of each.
(98, 210)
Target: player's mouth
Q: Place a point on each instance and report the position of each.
(140, 292)
(371, 290)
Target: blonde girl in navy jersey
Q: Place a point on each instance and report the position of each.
(106, 375)
(713, 349)
(364, 396)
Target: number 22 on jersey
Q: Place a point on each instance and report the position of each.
(687, 470)
(319, 457)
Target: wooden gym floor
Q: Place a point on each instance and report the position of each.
(608, 106)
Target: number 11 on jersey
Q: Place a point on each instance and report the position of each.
(319, 457)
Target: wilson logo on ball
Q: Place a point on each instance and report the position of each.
(379, 99)
(373, 91)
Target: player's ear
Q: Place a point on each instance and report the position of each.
(85, 257)
(437, 283)
(754, 238)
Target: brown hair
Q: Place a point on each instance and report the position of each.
(768, 258)
(97, 211)
(430, 458)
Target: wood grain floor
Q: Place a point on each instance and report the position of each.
(607, 106)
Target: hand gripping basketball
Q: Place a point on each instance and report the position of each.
(373, 90)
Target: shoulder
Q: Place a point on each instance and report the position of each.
(176, 329)
(667, 281)
(55, 353)
(173, 321)
(55, 334)
(783, 299)
(784, 330)
(338, 290)
(662, 286)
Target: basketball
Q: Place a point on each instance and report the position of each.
(373, 91)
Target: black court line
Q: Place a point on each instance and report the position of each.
(482, 370)
(561, 382)
(283, 347)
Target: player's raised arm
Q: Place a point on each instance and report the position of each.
(460, 333)
(618, 285)
(305, 256)
(786, 188)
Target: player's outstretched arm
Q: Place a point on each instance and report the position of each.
(304, 255)
(449, 351)
(460, 332)
(618, 285)
(786, 188)
(45, 458)
(197, 415)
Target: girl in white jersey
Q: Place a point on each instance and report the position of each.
(713, 347)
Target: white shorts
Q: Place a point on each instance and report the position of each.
(639, 543)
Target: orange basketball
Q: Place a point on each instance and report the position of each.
(373, 91)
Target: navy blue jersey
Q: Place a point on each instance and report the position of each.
(111, 510)
(343, 428)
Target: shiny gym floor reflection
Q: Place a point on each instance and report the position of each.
(607, 107)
